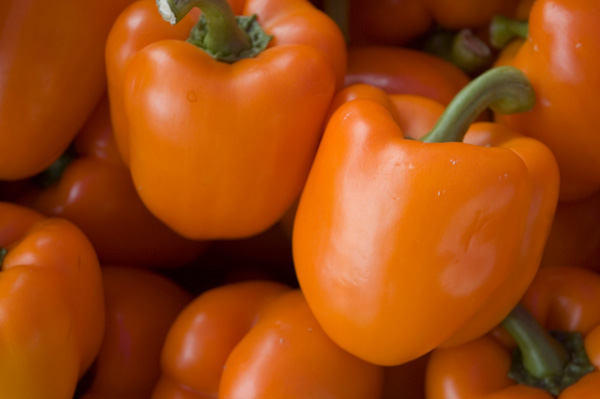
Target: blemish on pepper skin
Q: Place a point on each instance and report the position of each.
(191, 96)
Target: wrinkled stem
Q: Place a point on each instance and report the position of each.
(223, 35)
(504, 29)
(505, 89)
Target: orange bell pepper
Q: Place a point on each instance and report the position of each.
(51, 305)
(561, 59)
(52, 75)
(561, 298)
(140, 307)
(258, 339)
(399, 70)
(95, 191)
(414, 114)
(390, 231)
(203, 172)
(128, 36)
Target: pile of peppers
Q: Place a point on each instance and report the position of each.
(279, 199)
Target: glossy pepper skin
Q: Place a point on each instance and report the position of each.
(141, 305)
(238, 175)
(561, 58)
(561, 298)
(95, 191)
(51, 305)
(136, 27)
(51, 77)
(391, 231)
(258, 339)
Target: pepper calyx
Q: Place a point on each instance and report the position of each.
(578, 364)
(259, 39)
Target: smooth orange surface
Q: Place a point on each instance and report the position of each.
(286, 354)
(400, 246)
(544, 178)
(137, 26)
(51, 77)
(561, 58)
(202, 337)
(140, 307)
(561, 298)
(203, 172)
(51, 305)
(399, 70)
(96, 193)
(255, 340)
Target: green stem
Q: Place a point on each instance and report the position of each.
(470, 53)
(552, 361)
(219, 32)
(339, 11)
(504, 29)
(542, 355)
(505, 89)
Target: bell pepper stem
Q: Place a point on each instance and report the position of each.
(503, 29)
(543, 356)
(550, 360)
(223, 35)
(470, 53)
(505, 89)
